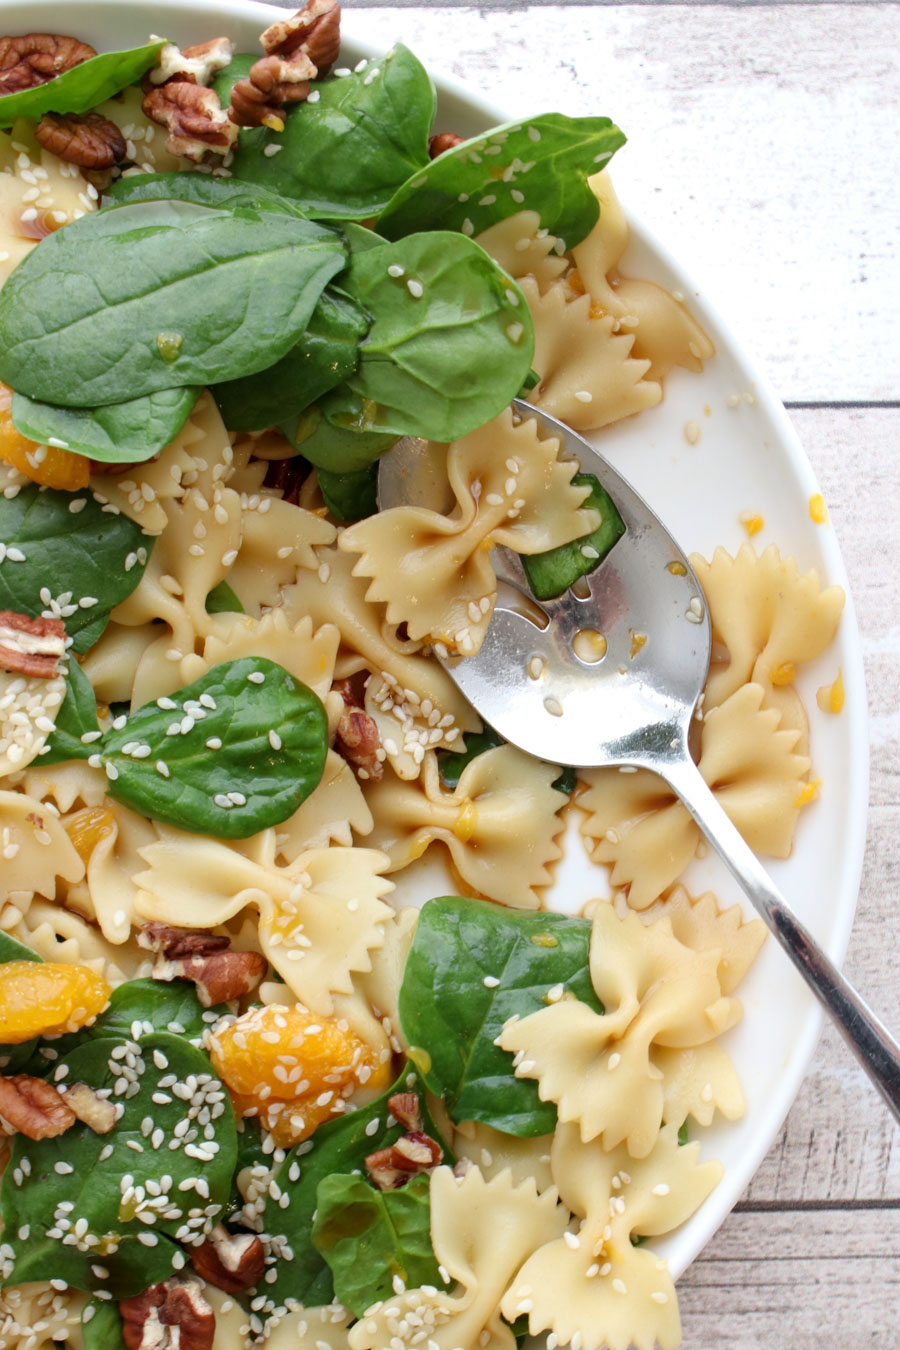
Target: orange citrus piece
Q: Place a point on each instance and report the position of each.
(44, 464)
(39, 998)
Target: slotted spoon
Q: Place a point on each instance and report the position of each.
(611, 673)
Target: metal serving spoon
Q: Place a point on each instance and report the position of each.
(561, 679)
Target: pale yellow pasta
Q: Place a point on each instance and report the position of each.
(636, 824)
(332, 814)
(481, 1232)
(655, 991)
(66, 784)
(57, 934)
(522, 248)
(28, 708)
(322, 1328)
(34, 847)
(37, 1316)
(493, 1152)
(107, 894)
(62, 196)
(498, 824)
(308, 655)
(433, 572)
(592, 1283)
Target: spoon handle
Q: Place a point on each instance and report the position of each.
(874, 1047)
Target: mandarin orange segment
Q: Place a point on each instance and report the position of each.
(37, 999)
(86, 828)
(284, 1063)
(44, 464)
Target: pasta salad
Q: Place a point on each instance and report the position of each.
(244, 1098)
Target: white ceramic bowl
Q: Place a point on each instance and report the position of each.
(748, 458)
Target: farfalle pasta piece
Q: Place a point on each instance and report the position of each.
(656, 992)
(320, 1328)
(481, 1232)
(331, 814)
(308, 655)
(598, 255)
(503, 799)
(35, 850)
(637, 825)
(277, 538)
(56, 934)
(414, 691)
(698, 922)
(380, 986)
(770, 617)
(523, 248)
(593, 1287)
(143, 491)
(38, 1317)
(111, 663)
(319, 919)
(433, 571)
(24, 217)
(493, 1153)
(28, 708)
(107, 894)
(589, 376)
(66, 784)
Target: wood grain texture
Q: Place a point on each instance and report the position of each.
(764, 148)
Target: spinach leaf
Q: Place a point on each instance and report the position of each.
(345, 154)
(140, 1008)
(246, 707)
(452, 338)
(350, 496)
(448, 1012)
(62, 539)
(551, 573)
(101, 1326)
(325, 355)
(337, 433)
(76, 718)
(117, 433)
(138, 298)
(341, 1145)
(83, 87)
(237, 69)
(222, 600)
(91, 1171)
(369, 1237)
(539, 165)
(201, 188)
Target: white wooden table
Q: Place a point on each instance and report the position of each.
(765, 149)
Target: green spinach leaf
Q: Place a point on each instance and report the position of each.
(369, 1237)
(237, 69)
(201, 188)
(117, 433)
(337, 433)
(325, 355)
(451, 341)
(101, 1326)
(448, 1010)
(58, 540)
(540, 165)
(140, 1008)
(270, 738)
(338, 1146)
(345, 154)
(222, 600)
(551, 573)
(105, 1177)
(138, 298)
(83, 87)
(76, 718)
(350, 496)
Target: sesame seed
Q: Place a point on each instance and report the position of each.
(256, 677)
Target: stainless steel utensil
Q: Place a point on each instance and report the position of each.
(562, 680)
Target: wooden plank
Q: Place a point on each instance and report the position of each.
(814, 1280)
(763, 150)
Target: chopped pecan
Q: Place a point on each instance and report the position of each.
(196, 65)
(96, 1112)
(36, 58)
(357, 735)
(178, 942)
(233, 1262)
(404, 1107)
(173, 1315)
(297, 50)
(194, 118)
(31, 646)
(444, 140)
(391, 1167)
(218, 977)
(89, 140)
(383, 1175)
(34, 1107)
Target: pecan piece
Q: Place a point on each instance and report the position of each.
(194, 118)
(35, 58)
(444, 140)
(89, 140)
(96, 1112)
(31, 646)
(233, 1262)
(178, 942)
(173, 1315)
(34, 1107)
(196, 65)
(404, 1107)
(390, 1168)
(357, 735)
(297, 50)
(383, 1175)
(218, 977)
